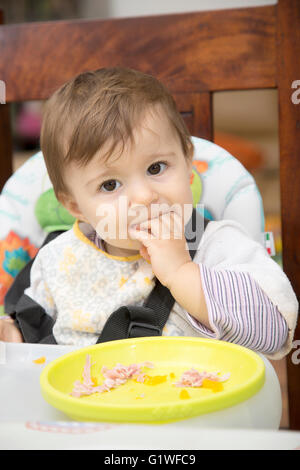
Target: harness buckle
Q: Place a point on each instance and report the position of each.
(135, 324)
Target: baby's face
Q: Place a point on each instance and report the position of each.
(150, 176)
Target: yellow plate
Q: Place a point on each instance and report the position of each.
(138, 402)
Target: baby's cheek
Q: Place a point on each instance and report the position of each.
(115, 227)
(107, 226)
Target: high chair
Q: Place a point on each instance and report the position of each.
(195, 55)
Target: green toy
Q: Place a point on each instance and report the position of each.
(51, 214)
(196, 187)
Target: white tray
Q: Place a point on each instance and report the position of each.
(21, 398)
(28, 422)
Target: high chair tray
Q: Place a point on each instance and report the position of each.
(21, 399)
(112, 437)
(218, 375)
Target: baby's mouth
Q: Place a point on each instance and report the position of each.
(153, 215)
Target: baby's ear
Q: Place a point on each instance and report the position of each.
(191, 150)
(189, 158)
(70, 204)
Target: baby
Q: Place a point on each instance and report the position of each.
(120, 160)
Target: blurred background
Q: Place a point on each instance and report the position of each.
(245, 123)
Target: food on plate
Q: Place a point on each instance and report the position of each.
(120, 374)
(194, 378)
(155, 379)
(142, 395)
(112, 377)
(213, 385)
(184, 395)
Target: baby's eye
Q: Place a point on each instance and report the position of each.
(156, 168)
(109, 186)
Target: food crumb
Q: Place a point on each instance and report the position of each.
(155, 379)
(140, 396)
(212, 385)
(40, 360)
(184, 395)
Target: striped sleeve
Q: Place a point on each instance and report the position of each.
(240, 312)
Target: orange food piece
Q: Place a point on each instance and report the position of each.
(94, 380)
(184, 395)
(40, 360)
(155, 379)
(212, 385)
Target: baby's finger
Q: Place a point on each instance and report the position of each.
(166, 226)
(144, 253)
(151, 227)
(178, 226)
(160, 226)
(172, 226)
(139, 235)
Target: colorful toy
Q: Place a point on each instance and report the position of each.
(15, 253)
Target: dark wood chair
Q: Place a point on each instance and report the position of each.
(195, 55)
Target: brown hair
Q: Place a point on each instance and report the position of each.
(96, 108)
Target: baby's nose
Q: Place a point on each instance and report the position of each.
(143, 194)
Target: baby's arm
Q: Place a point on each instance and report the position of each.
(249, 299)
(186, 288)
(9, 332)
(240, 312)
(230, 306)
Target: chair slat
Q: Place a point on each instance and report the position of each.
(288, 40)
(192, 52)
(5, 137)
(196, 109)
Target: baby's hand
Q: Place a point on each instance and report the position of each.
(163, 244)
(9, 332)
